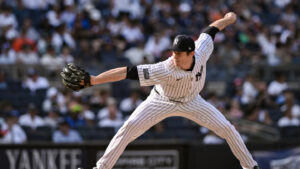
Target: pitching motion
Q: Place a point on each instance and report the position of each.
(177, 83)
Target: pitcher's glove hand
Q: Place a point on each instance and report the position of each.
(75, 78)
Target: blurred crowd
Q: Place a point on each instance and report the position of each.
(52, 33)
(141, 31)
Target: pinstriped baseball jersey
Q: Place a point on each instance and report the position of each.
(174, 83)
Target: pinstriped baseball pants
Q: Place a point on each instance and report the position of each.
(154, 109)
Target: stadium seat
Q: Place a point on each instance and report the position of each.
(14, 85)
(168, 134)
(83, 131)
(39, 134)
(90, 133)
(275, 114)
(145, 136)
(176, 123)
(109, 131)
(27, 129)
(41, 93)
(96, 135)
(187, 134)
(290, 132)
(47, 129)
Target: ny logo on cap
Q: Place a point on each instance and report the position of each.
(176, 41)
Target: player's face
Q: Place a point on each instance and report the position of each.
(182, 59)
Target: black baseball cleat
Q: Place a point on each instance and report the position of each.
(256, 167)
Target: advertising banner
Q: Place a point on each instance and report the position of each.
(40, 158)
(147, 159)
(278, 159)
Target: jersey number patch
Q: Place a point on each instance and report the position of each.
(199, 74)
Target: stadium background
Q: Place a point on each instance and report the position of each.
(252, 77)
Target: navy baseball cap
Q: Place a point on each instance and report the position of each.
(183, 43)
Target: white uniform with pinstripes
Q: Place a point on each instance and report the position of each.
(176, 93)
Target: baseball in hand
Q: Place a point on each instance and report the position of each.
(231, 16)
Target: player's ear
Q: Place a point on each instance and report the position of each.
(192, 53)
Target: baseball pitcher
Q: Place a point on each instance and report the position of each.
(177, 83)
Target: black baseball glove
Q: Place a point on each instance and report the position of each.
(75, 78)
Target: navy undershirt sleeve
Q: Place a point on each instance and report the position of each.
(211, 30)
(132, 73)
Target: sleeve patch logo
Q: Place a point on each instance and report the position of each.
(146, 74)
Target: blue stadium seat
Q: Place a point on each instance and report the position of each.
(4, 94)
(41, 93)
(36, 135)
(187, 134)
(275, 114)
(14, 85)
(26, 129)
(109, 131)
(47, 129)
(176, 123)
(146, 135)
(168, 134)
(96, 135)
(290, 132)
(90, 133)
